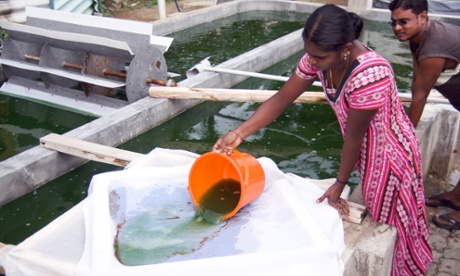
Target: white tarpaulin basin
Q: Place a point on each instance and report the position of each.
(143, 216)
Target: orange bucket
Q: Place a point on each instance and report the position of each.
(241, 174)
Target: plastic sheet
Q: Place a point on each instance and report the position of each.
(143, 217)
(148, 206)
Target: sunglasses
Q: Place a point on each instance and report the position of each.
(401, 22)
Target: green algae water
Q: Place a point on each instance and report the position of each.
(160, 241)
(305, 140)
(218, 201)
(161, 234)
(23, 123)
(227, 38)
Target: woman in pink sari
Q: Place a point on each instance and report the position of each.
(379, 139)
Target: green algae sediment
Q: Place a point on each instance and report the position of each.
(149, 239)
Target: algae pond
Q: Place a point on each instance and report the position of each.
(305, 140)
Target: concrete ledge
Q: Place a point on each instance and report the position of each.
(368, 248)
(438, 133)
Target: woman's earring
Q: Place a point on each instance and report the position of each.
(345, 58)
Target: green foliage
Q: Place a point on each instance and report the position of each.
(3, 34)
(151, 4)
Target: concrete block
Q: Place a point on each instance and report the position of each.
(438, 133)
(369, 248)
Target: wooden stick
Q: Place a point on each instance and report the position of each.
(88, 150)
(231, 95)
(357, 212)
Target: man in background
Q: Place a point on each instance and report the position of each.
(435, 48)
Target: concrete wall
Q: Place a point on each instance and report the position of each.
(438, 132)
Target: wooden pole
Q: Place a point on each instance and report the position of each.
(232, 95)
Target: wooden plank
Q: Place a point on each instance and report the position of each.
(88, 150)
(357, 213)
(232, 95)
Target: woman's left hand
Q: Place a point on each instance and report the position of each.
(333, 197)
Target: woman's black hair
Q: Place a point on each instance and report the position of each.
(417, 6)
(331, 27)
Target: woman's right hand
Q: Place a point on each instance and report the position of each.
(228, 142)
(333, 197)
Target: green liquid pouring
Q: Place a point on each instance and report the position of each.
(220, 200)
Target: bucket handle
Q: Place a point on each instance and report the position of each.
(246, 168)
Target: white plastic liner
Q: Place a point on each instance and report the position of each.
(284, 231)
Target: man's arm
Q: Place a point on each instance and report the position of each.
(425, 75)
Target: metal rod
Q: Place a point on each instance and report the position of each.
(113, 73)
(79, 67)
(168, 83)
(251, 74)
(30, 57)
(72, 65)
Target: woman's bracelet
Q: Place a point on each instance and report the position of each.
(237, 134)
(341, 182)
